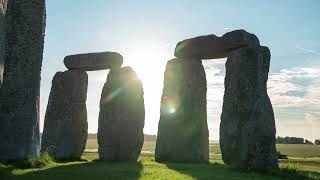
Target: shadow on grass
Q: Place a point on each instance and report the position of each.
(220, 171)
(78, 170)
(93, 170)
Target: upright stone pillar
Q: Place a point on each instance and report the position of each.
(65, 130)
(19, 94)
(183, 131)
(247, 129)
(3, 8)
(121, 117)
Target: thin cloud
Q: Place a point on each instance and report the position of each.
(281, 84)
(308, 50)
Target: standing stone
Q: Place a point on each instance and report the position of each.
(65, 126)
(247, 129)
(3, 8)
(183, 131)
(121, 118)
(20, 91)
(94, 61)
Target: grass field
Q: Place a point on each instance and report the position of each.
(304, 165)
(146, 168)
(291, 150)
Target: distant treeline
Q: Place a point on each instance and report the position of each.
(295, 140)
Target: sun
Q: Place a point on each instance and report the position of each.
(149, 61)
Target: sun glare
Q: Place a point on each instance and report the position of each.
(149, 61)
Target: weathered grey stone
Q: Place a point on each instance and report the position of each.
(3, 8)
(247, 129)
(94, 61)
(240, 37)
(213, 47)
(121, 118)
(19, 94)
(65, 126)
(183, 131)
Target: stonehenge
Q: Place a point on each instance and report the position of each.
(65, 127)
(20, 90)
(65, 130)
(183, 131)
(247, 128)
(121, 117)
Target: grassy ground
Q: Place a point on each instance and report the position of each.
(146, 168)
(303, 163)
(291, 150)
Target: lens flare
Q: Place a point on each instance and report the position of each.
(111, 96)
(169, 105)
(171, 110)
(118, 91)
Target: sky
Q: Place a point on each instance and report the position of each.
(146, 32)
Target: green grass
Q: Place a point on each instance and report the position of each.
(303, 163)
(146, 168)
(38, 162)
(291, 150)
(299, 150)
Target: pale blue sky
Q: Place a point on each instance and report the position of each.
(146, 32)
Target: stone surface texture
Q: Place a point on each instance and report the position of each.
(213, 47)
(247, 129)
(121, 118)
(19, 93)
(3, 8)
(183, 131)
(94, 61)
(240, 37)
(65, 127)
